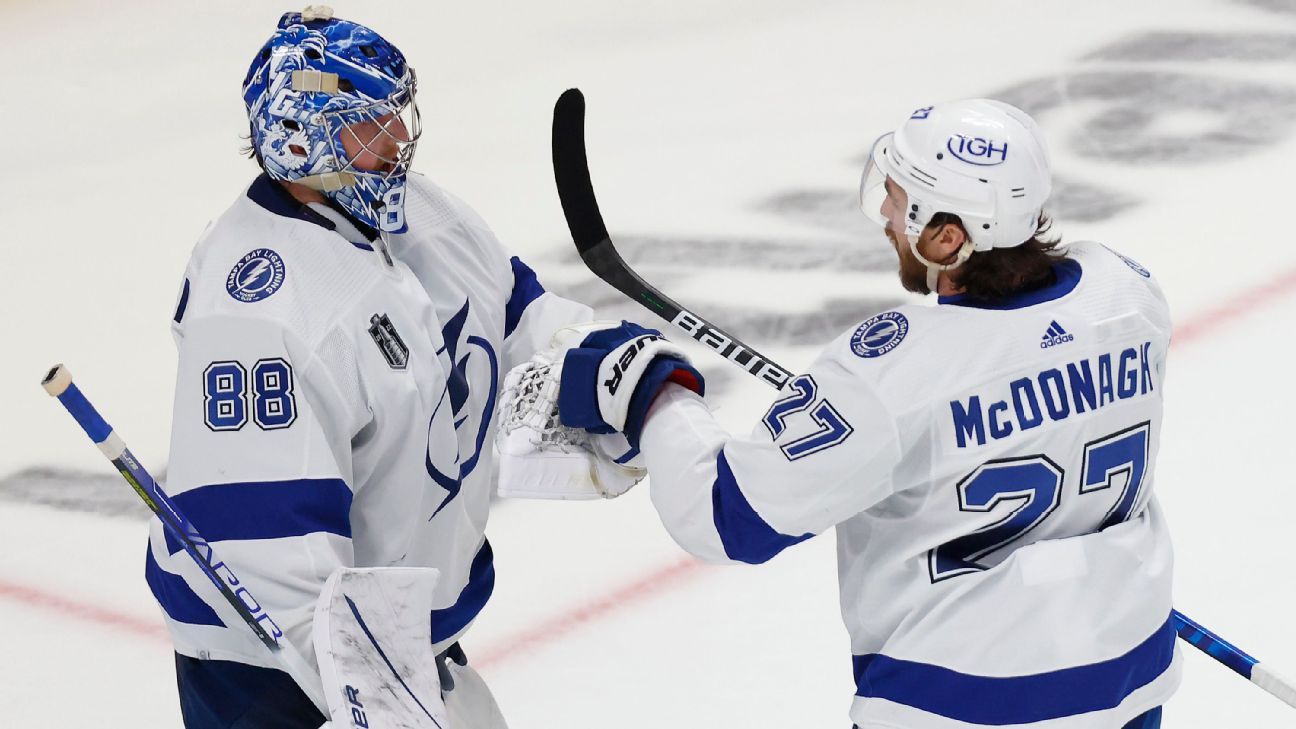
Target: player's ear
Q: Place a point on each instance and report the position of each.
(948, 240)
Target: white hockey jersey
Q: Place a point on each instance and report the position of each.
(334, 406)
(989, 471)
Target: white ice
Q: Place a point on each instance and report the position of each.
(120, 137)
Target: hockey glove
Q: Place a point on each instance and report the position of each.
(609, 381)
(539, 458)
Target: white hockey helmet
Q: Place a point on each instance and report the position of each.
(982, 160)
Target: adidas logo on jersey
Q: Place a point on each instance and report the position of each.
(1055, 335)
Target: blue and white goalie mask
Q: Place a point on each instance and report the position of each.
(331, 106)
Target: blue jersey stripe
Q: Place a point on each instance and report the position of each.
(526, 288)
(1017, 699)
(481, 583)
(1147, 720)
(179, 602)
(266, 509)
(183, 304)
(745, 535)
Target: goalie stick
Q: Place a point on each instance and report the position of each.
(58, 383)
(580, 207)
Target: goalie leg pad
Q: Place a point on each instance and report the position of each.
(373, 642)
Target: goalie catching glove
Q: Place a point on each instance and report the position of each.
(539, 457)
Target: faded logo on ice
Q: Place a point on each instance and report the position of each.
(256, 276)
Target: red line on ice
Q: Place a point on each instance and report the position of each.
(557, 626)
(76, 609)
(666, 578)
(656, 582)
(1247, 302)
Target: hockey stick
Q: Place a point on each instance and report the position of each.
(571, 171)
(580, 207)
(58, 382)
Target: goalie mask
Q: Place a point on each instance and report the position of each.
(982, 160)
(321, 85)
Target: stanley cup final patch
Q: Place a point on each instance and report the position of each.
(256, 276)
(389, 341)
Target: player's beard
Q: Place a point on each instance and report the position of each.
(913, 274)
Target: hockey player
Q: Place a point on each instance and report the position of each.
(343, 329)
(987, 462)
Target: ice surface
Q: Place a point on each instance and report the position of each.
(725, 139)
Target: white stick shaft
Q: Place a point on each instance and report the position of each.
(1274, 683)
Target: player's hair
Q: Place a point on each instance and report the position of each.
(994, 275)
(249, 150)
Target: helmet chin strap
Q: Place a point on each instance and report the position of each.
(934, 269)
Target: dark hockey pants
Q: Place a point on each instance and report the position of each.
(229, 695)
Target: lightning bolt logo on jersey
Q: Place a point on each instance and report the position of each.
(256, 276)
(347, 420)
(450, 462)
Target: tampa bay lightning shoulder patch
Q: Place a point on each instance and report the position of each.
(880, 334)
(256, 276)
(1133, 264)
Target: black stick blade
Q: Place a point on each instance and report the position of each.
(571, 172)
